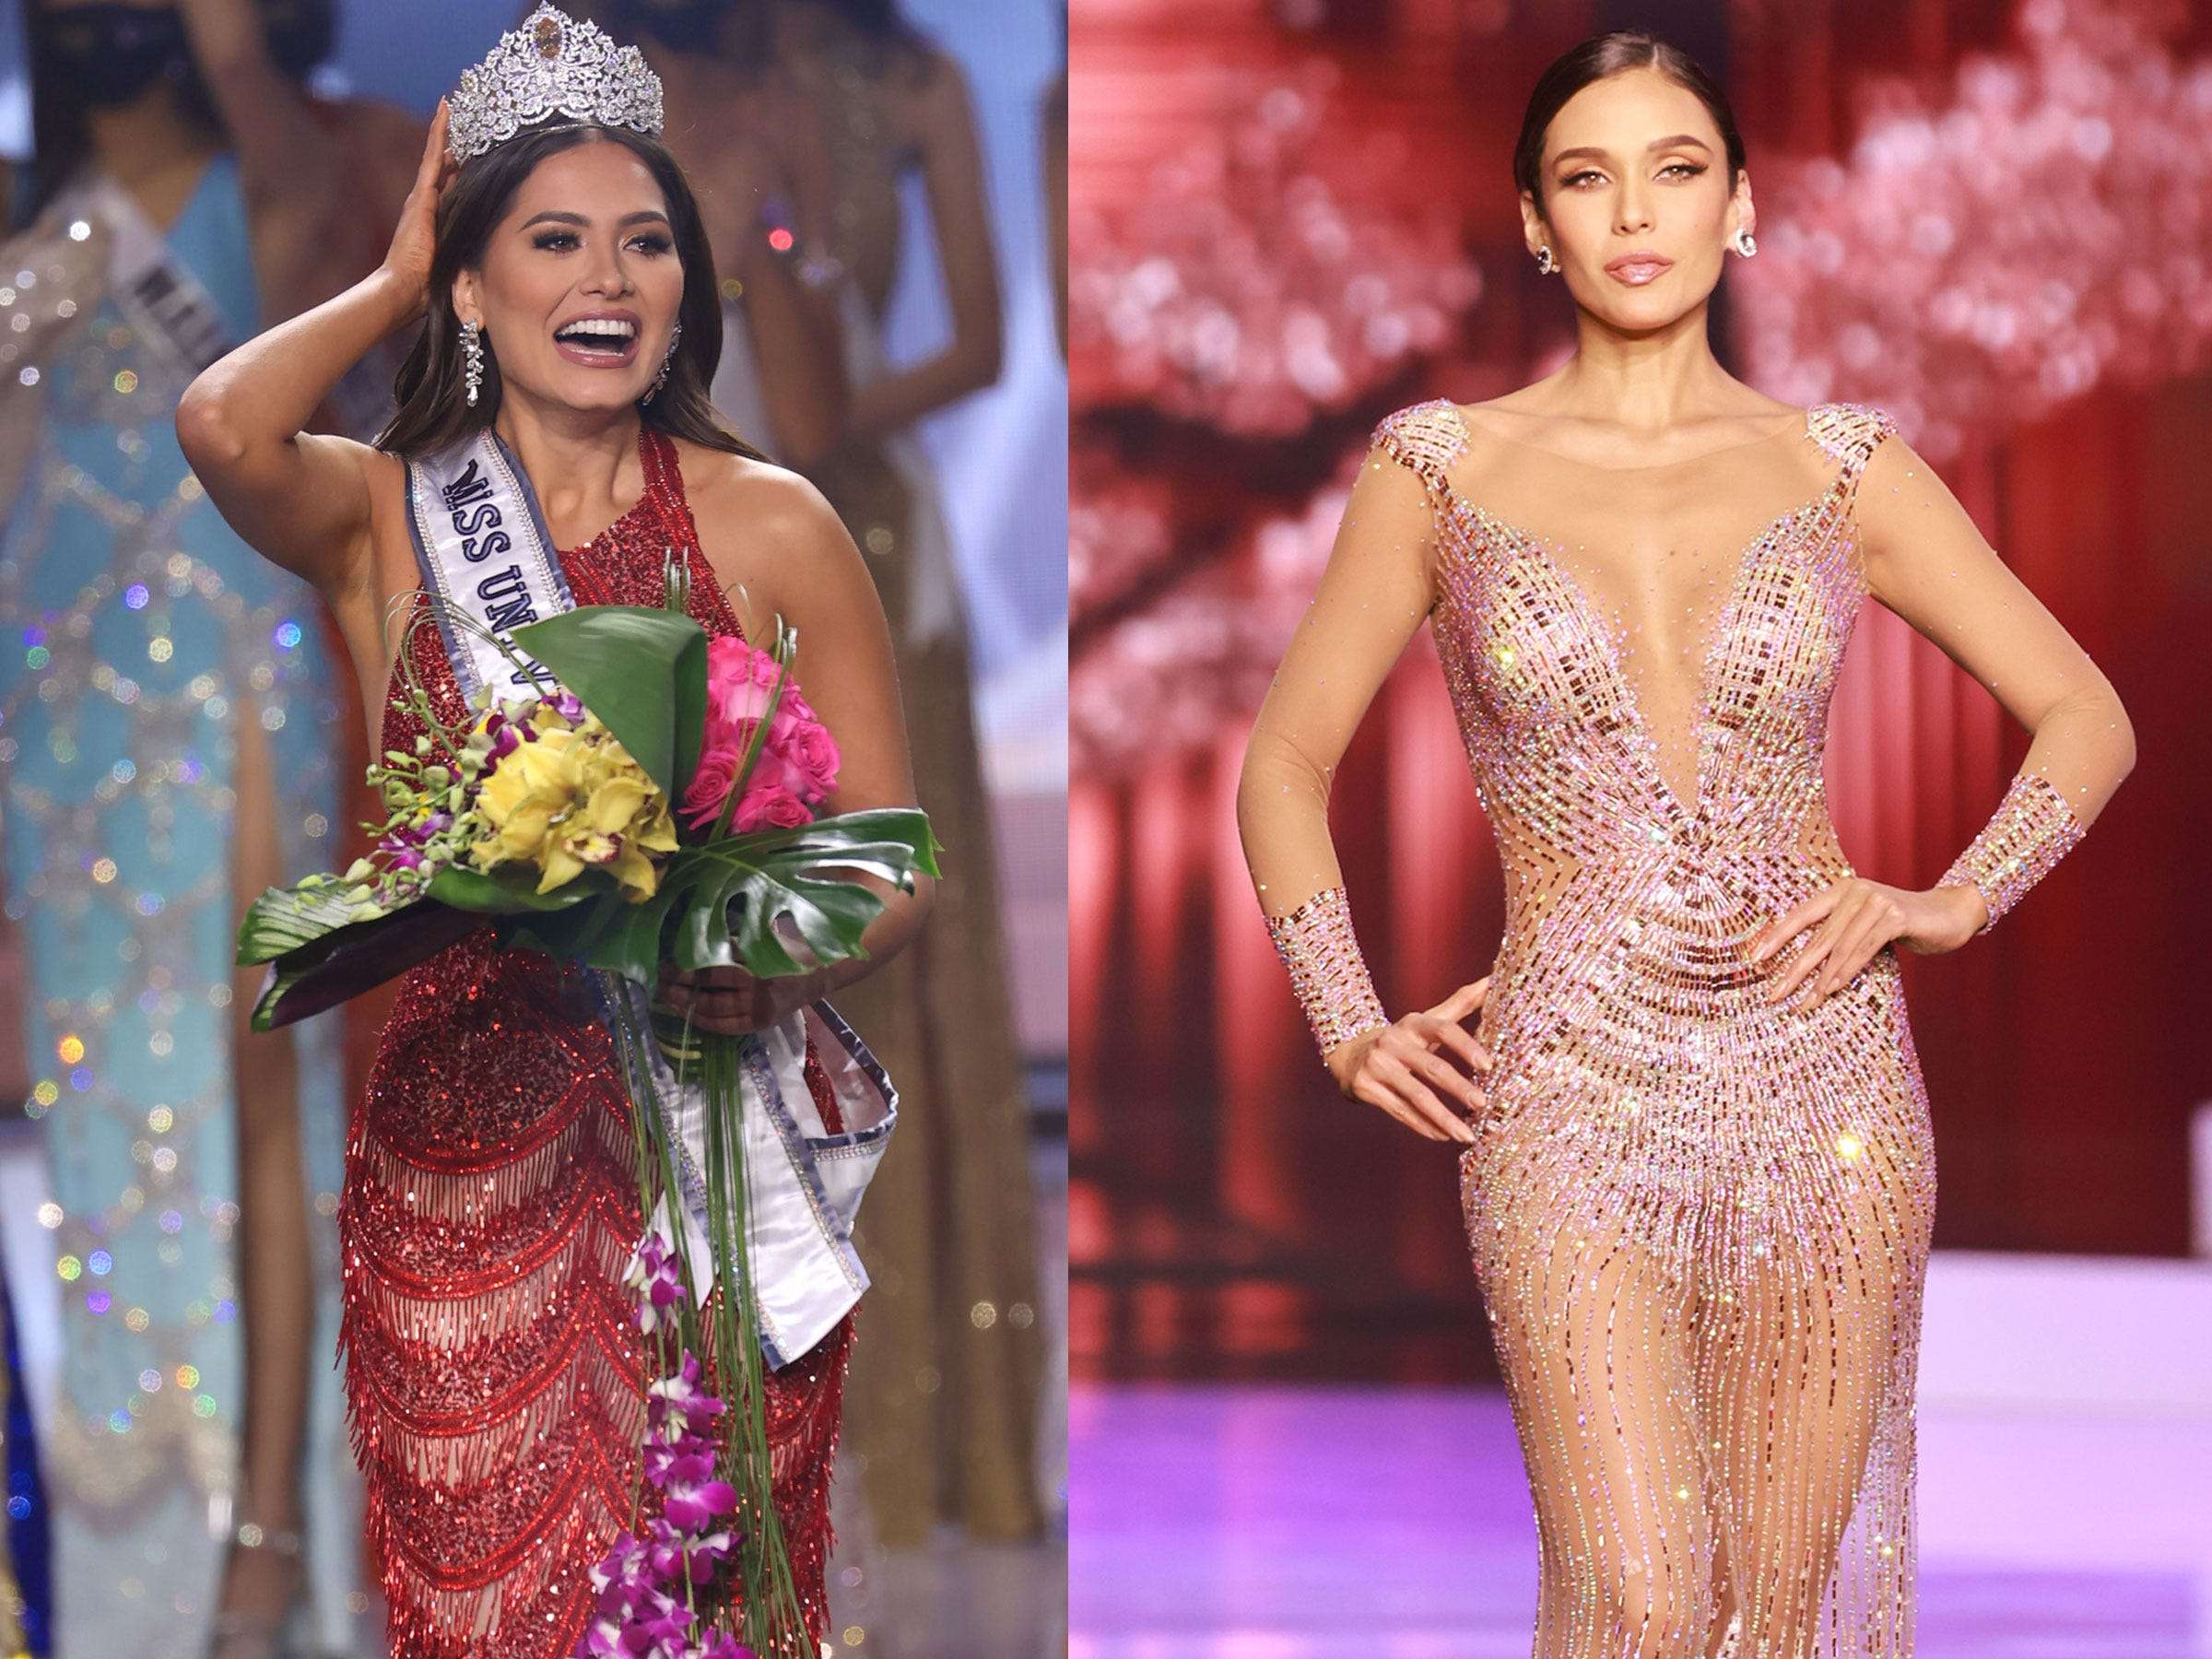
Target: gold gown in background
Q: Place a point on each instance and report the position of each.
(1699, 1219)
(942, 1399)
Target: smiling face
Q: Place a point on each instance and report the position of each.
(580, 284)
(1633, 165)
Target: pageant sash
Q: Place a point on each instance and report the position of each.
(157, 293)
(480, 540)
(91, 243)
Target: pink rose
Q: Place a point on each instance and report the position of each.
(816, 754)
(770, 809)
(711, 781)
(784, 727)
(798, 761)
(736, 677)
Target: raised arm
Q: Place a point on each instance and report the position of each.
(294, 170)
(1373, 595)
(1926, 561)
(302, 498)
(796, 337)
(952, 180)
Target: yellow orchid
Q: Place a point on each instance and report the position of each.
(572, 799)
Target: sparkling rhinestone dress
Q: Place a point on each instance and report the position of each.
(497, 1378)
(1699, 1219)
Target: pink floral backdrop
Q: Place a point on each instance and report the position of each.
(1993, 220)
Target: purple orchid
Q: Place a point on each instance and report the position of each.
(686, 1474)
(678, 1406)
(636, 1615)
(632, 1627)
(671, 1549)
(653, 1272)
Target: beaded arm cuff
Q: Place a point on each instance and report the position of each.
(1327, 968)
(2031, 829)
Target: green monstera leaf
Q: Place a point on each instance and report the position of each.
(325, 943)
(643, 670)
(717, 904)
(321, 952)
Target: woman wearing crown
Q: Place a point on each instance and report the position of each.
(570, 327)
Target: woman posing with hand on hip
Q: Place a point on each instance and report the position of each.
(570, 330)
(1695, 1153)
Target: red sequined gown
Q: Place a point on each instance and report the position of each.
(495, 1374)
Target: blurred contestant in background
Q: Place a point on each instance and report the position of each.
(745, 138)
(944, 1392)
(169, 748)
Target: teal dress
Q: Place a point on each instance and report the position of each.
(137, 635)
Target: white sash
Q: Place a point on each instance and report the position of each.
(157, 293)
(481, 542)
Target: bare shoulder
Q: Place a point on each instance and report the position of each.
(752, 500)
(765, 527)
(928, 93)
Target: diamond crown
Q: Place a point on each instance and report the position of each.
(552, 66)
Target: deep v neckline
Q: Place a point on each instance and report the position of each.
(1645, 743)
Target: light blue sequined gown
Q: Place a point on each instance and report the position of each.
(136, 632)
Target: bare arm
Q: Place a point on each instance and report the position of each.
(1373, 596)
(797, 347)
(952, 176)
(293, 170)
(302, 498)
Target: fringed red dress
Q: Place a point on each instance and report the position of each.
(495, 1371)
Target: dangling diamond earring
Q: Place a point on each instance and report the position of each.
(1545, 262)
(472, 352)
(661, 378)
(1745, 245)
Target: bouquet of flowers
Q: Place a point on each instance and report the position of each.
(654, 800)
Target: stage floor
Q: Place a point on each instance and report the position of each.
(1273, 1523)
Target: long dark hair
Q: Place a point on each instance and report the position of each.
(434, 411)
(1597, 59)
(300, 34)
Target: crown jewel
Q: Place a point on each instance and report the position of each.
(551, 65)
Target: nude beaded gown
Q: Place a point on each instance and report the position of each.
(1700, 1219)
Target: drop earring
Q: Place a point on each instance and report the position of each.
(661, 378)
(472, 353)
(1744, 244)
(1545, 262)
